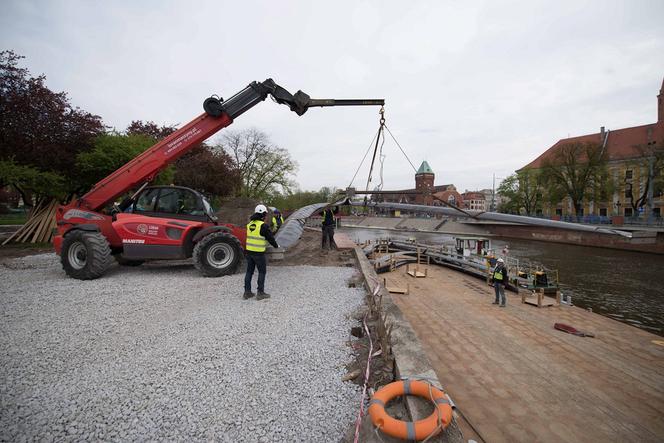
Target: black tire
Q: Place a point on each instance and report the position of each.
(85, 255)
(127, 262)
(217, 254)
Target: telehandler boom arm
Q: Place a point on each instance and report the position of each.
(218, 114)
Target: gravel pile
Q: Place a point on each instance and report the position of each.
(160, 353)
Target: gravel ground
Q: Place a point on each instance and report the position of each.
(160, 353)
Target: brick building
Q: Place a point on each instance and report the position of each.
(631, 153)
(475, 201)
(424, 182)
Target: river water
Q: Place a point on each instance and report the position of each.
(626, 286)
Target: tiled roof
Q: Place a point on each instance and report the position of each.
(622, 144)
(473, 196)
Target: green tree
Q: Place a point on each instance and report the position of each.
(293, 200)
(578, 171)
(110, 152)
(265, 169)
(30, 181)
(522, 192)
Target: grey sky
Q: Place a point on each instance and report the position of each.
(475, 88)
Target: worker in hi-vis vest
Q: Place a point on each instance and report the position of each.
(277, 220)
(258, 236)
(499, 277)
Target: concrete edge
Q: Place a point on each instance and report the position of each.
(410, 359)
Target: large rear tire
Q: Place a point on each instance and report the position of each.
(85, 255)
(217, 254)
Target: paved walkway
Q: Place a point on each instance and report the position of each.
(517, 379)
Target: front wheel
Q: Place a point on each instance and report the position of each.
(85, 255)
(217, 254)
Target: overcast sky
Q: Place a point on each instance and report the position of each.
(474, 88)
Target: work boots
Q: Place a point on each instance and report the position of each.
(262, 295)
(247, 295)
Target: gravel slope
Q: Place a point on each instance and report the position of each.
(160, 353)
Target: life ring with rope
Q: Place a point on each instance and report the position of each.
(408, 430)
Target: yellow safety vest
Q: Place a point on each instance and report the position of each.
(498, 275)
(255, 241)
(277, 222)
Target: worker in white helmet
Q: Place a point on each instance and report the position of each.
(258, 236)
(499, 277)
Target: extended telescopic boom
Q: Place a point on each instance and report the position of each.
(218, 114)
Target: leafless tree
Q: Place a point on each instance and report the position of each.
(577, 170)
(264, 168)
(653, 158)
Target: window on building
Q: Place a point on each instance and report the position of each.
(602, 212)
(628, 212)
(559, 211)
(628, 174)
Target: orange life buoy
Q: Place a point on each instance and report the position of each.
(408, 430)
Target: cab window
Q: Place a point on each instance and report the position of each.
(146, 201)
(179, 201)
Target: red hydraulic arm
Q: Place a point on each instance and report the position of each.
(147, 165)
(218, 114)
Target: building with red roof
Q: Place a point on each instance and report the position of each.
(630, 152)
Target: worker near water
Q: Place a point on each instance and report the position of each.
(328, 228)
(258, 236)
(277, 220)
(499, 278)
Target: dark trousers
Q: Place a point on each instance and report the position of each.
(255, 260)
(328, 237)
(499, 288)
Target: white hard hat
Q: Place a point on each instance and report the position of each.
(500, 260)
(261, 209)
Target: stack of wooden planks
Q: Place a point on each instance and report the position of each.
(39, 227)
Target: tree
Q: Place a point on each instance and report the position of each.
(578, 171)
(522, 192)
(211, 172)
(39, 128)
(28, 181)
(297, 199)
(265, 169)
(110, 152)
(653, 160)
(149, 129)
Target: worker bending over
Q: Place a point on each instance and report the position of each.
(258, 236)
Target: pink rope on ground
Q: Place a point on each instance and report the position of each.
(366, 381)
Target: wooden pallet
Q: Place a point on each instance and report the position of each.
(396, 289)
(538, 299)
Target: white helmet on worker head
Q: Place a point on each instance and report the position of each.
(261, 209)
(500, 260)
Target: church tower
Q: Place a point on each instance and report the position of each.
(424, 182)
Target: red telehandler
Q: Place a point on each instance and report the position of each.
(165, 222)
